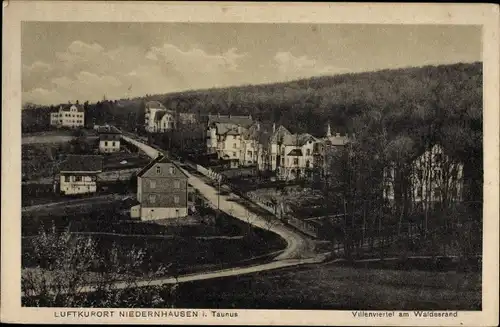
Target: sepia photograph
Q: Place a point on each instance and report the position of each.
(252, 166)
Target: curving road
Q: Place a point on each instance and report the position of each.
(298, 246)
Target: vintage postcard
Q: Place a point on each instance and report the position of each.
(250, 163)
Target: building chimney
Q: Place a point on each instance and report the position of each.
(328, 131)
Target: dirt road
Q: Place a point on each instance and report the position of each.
(298, 246)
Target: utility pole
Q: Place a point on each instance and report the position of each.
(218, 193)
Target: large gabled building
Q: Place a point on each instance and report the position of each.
(162, 191)
(69, 116)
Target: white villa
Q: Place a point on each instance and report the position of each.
(434, 177)
(157, 118)
(225, 136)
(71, 116)
(109, 139)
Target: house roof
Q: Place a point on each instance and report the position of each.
(295, 152)
(280, 133)
(227, 129)
(67, 107)
(108, 130)
(155, 105)
(159, 159)
(159, 115)
(337, 140)
(90, 163)
(244, 121)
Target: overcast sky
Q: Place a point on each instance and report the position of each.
(84, 61)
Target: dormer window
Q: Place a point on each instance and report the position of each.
(172, 170)
(158, 170)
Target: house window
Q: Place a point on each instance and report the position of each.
(234, 154)
(249, 153)
(114, 143)
(105, 143)
(152, 198)
(158, 170)
(308, 152)
(172, 170)
(419, 192)
(295, 161)
(176, 199)
(152, 184)
(234, 145)
(177, 184)
(78, 178)
(283, 161)
(63, 179)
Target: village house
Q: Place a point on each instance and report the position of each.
(109, 139)
(325, 148)
(224, 137)
(69, 116)
(78, 174)
(157, 118)
(433, 177)
(162, 191)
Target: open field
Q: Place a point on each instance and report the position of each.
(54, 136)
(328, 286)
(190, 247)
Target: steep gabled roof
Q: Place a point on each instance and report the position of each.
(67, 107)
(280, 133)
(159, 159)
(88, 163)
(108, 130)
(227, 129)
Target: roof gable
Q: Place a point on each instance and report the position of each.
(164, 163)
(69, 106)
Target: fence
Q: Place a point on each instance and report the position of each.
(304, 227)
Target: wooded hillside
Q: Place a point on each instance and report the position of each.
(440, 102)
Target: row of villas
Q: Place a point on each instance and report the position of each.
(244, 142)
(433, 176)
